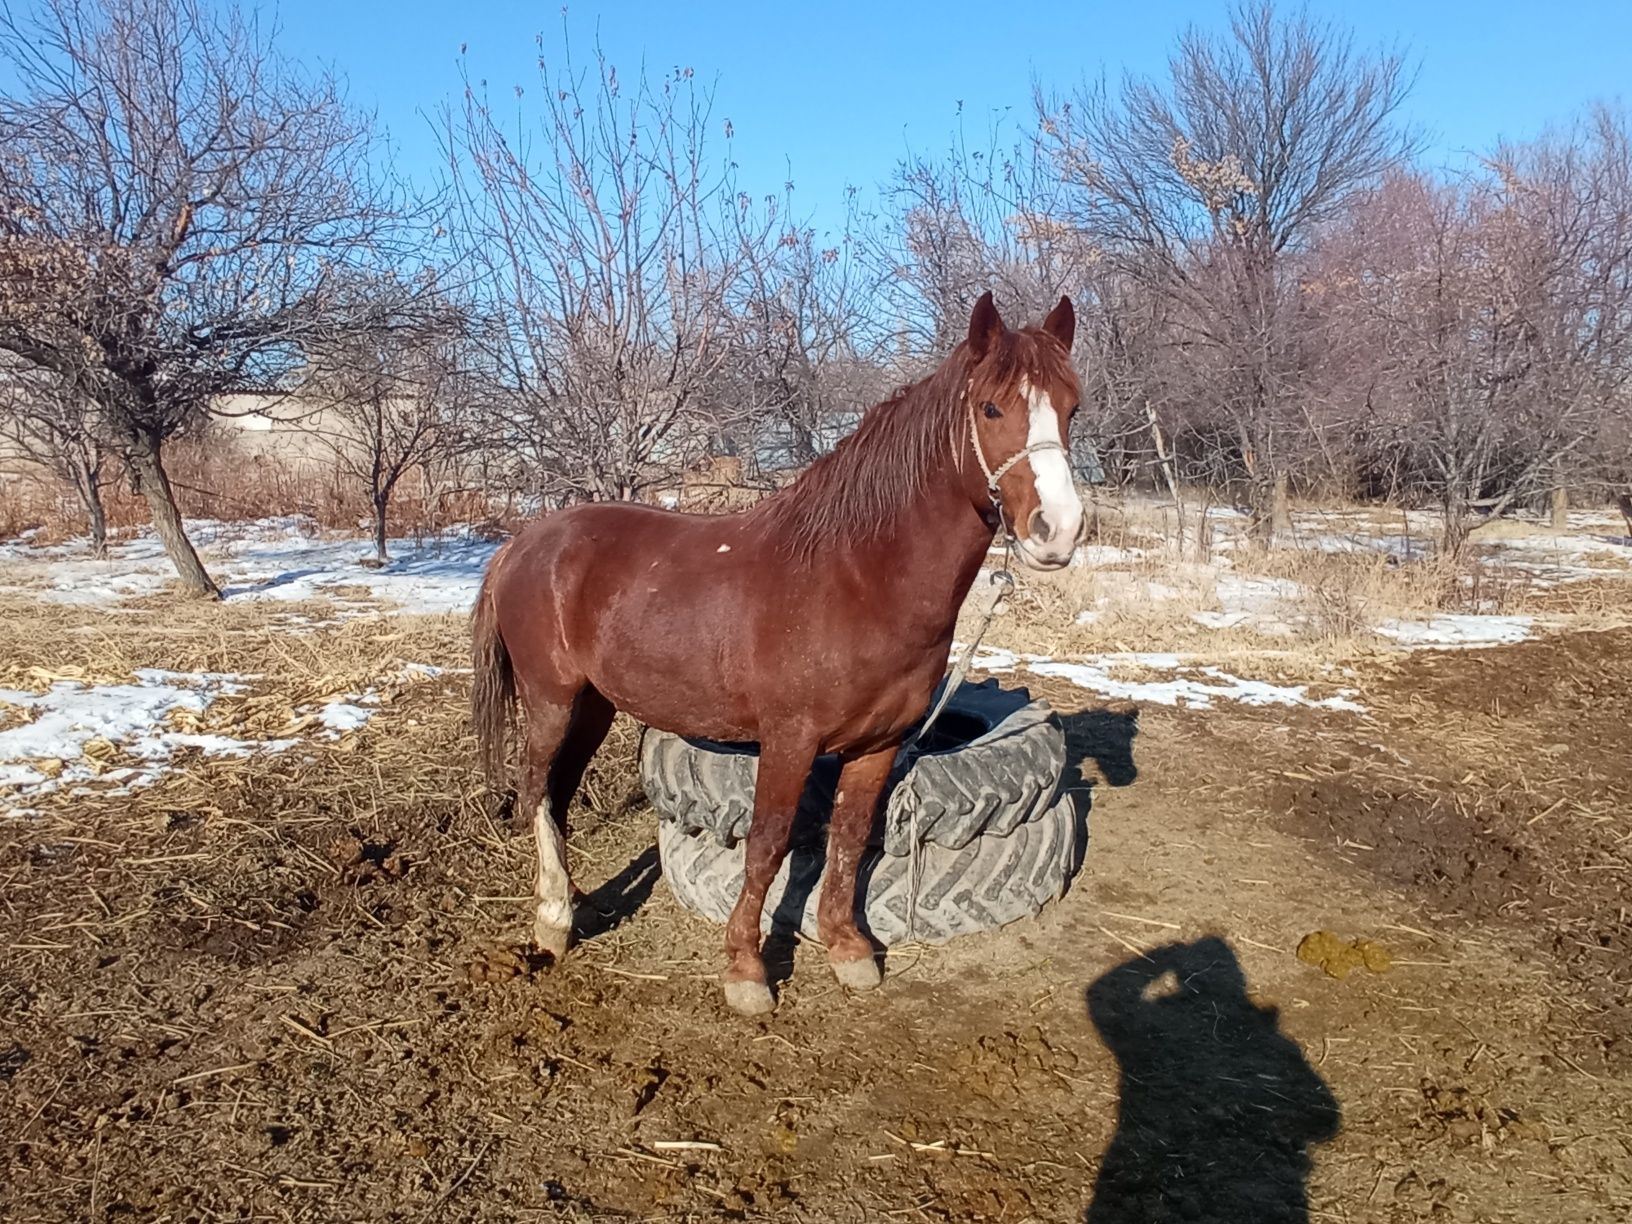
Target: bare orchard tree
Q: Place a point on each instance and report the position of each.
(1207, 188)
(979, 218)
(604, 241)
(173, 198)
(804, 341)
(1576, 190)
(1500, 310)
(390, 387)
(46, 421)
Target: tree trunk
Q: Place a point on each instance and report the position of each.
(1271, 508)
(381, 501)
(92, 496)
(1162, 457)
(801, 442)
(1561, 498)
(88, 486)
(1455, 539)
(147, 470)
(1280, 509)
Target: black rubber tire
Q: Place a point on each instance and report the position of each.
(993, 880)
(993, 763)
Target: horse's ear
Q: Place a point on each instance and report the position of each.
(985, 325)
(1062, 323)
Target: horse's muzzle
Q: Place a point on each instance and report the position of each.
(1047, 546)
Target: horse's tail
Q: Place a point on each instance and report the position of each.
(493, 682)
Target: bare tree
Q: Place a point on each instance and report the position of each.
(605, 243)
(55, 428)
(1207, 188)
(174, 199)
(1499, 313)
(390, 387)
(804, 342)
(980, 217)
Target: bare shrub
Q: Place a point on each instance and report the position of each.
(1205, 191)
(173, 198)
(605, 243)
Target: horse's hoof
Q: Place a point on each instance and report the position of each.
(749, 998)
(552, 941)
(860, 974)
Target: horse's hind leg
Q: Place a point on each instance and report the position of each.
(782, 775)
(562, 737)
(861, 782)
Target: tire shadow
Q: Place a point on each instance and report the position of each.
(1219, 1108)
(1103, 735)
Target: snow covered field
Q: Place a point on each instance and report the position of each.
(126, 735)
(282, 559)
(110, 732)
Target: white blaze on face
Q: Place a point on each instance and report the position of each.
(1051, 473)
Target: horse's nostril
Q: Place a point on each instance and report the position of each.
(1040, 530)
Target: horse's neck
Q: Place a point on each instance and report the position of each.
(931, 556)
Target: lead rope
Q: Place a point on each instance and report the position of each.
(1002, 583)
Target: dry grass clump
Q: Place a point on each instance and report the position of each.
(213, 482)
(287, 642)
(1342, 595)
(1143, 603)
(1141, 587)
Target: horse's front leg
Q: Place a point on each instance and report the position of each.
(783, 770)
(861, 782)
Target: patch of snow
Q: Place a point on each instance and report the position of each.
(49, 750)
(1105, 555)
(1239, 593)
(992, 659)
(342, 716)
(1213, 684)
(1220, 620)
(1406, 548)
(137, 719)
(438, 575)
(352, 711)
(1258, 602)
(285, 558)
(1459, 630)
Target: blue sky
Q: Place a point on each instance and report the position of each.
(835, 93)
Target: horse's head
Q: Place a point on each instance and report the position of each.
(1021, 395)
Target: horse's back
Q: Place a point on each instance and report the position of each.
(650, 606)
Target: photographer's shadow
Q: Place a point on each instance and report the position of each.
(1219, 1108)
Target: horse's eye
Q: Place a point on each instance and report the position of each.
(992, 412)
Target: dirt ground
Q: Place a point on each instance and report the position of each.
(291, 989)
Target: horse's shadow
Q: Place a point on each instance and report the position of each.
(1219, 1108)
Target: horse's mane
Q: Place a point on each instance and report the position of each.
(853, 493)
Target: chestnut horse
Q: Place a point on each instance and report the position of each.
(818, 621)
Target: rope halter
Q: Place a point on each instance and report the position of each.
(992, 477)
